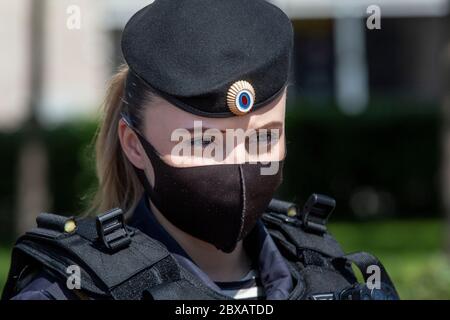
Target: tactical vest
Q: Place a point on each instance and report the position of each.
(117, 261)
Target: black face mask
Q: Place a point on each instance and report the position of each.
(219, 204)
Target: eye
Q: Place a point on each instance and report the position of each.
(265, 137)
(262, 140)
(202, 141)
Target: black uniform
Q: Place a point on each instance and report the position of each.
(271, 270)
(296, 259)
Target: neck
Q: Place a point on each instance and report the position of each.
(218, 265)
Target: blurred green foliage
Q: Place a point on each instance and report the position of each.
(72, 166)
(411, 251)
(70, 149)
(9, 144)
(390, 150)
(5, 258)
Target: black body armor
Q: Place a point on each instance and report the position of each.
(120, 262)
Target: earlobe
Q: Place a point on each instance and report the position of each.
(130, 145)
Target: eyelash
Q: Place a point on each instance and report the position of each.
(205, 142)
(259, 138)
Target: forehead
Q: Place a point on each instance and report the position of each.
(162, 116)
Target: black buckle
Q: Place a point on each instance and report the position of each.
(316, 212)
(112, 231)
(323, 296)
(287, 208)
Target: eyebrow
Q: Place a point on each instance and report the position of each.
(272, 124)
(269, 125)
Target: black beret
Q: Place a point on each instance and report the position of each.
(214, 58)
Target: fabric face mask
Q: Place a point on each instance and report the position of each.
(219, 204)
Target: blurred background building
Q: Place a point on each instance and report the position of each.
(366, 122)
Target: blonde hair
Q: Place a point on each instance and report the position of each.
(118, 184)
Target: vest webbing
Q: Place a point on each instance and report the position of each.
(146, 270)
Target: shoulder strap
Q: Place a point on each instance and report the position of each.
(293, 237)
(110, 266)
(364, 260)
(303, 237)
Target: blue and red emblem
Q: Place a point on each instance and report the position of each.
(241, 97)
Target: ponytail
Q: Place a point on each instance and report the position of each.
(119, 185)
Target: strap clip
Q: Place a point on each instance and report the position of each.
(112, 231)
(316, 212)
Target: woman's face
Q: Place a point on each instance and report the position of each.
(185, 140)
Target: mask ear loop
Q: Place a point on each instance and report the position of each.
(139, 172)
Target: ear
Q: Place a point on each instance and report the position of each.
(131, 145)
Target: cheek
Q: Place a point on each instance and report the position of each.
(282, 146)
(150, 172)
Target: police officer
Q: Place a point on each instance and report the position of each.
(202, 225)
